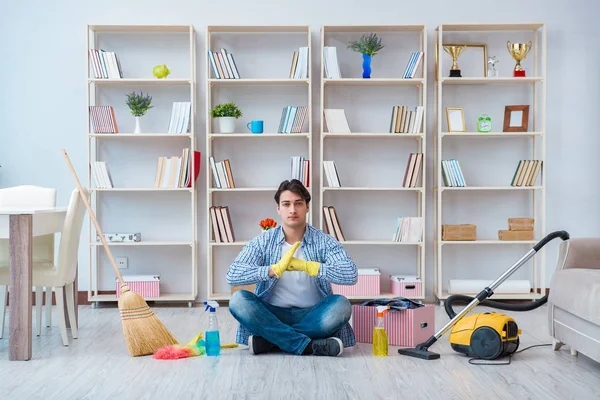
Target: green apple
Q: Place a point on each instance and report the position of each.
(161, 71)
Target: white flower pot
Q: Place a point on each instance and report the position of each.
(227, 124)
(138, 128)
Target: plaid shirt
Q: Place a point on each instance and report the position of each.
(253, 263)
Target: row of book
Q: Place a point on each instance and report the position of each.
(222, 174)
(409, 230)
(405, 121)
(105, 64)
(301, 170)
(101, 174)
(223, 64)
(413, 64)
(222, 227)
(299, 68)
(452, 174)
(332, 223)
(292, 119)
(526, 173)
(413, 170)
(180, 121)
(103, 119)
(176, 172)
(331, 173)
(331, 64)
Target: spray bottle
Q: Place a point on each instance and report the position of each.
(213, 341)
(380, 339)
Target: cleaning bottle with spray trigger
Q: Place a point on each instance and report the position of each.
(213, 341)
(380, 338)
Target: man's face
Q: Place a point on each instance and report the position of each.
(292, 209)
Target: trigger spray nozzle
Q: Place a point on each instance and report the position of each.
(211, 304)
(382, 310)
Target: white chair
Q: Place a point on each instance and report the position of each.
(43, 246)
(61, 276)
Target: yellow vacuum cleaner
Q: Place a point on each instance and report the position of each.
(485, 335)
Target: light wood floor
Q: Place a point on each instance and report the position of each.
(98, 366)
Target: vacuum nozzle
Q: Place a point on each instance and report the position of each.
(422, 350)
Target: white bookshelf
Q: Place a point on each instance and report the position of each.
(371, 161)
(165, 217)
(489, 160)
(259, 162)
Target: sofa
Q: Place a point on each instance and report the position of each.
(574, 298)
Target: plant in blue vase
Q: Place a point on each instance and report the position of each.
(368, 46)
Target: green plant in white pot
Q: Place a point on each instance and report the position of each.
(226, 114)
(139, 105)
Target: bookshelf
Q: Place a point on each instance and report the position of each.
(370, 159)
(263, 83)
(128, 198)
(488, 161)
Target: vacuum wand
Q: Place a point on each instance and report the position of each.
(422, 349)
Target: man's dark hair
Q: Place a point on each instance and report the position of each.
(294, 186)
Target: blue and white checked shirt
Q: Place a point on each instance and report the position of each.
(253, 263)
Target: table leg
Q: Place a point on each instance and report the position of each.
(21, 254)
(68, 321)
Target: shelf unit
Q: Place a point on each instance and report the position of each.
(374, 181)
(263, 56)
(139, 48)
(481, 199)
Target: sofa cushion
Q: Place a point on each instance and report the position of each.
(577, 291)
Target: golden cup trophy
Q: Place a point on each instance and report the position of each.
(518, 51)
(455, 52)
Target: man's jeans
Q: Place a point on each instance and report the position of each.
(291, 329)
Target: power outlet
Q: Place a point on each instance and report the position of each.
(121, 262)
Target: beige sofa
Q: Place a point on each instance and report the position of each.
(574, 299)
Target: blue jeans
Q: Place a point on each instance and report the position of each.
(291, 329)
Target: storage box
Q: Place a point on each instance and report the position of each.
(147, 286)
(520, 224)
(515, 235)
(405, 328)
(406, 286)
(249, 288)
(459, 232)
(368, 284)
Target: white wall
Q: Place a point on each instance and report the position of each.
(42, 103)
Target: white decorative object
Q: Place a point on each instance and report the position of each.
(138, 128)
(226, 124)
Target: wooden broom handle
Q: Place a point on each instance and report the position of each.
(93, 216)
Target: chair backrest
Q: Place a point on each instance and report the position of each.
(69, 240)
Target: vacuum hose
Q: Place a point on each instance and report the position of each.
(461, 298)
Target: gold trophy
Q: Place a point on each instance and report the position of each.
(455, 52)
(518, 51)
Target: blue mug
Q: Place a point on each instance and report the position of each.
(255, 126)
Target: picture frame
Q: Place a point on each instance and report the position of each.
(455, 117)
(465, 60)
(516, 118)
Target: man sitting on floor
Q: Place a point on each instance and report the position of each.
(293, 265)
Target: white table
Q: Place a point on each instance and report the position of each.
(20, 225)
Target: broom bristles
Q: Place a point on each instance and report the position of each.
(144, 332)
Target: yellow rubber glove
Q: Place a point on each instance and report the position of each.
(310, 267)
(282, 265)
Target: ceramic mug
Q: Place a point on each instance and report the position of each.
(255, 126)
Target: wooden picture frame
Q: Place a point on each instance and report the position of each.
(516, 118)
(455, 117)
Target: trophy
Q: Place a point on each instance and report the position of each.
(492, 72)
(455, 52)
(518, 51)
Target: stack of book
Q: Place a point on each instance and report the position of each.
(405, 121)
(223, 65)
(336, 120)
(452, 174)
(526, 173)
(299, 68)
(301, 169)
(101, 175)
(222, 227)
(105, 64)
(103, 119)
(176, 172)
(332, 66)
(292, 119)
(413, 64)
(332, 224)
(413, 170)
(333, 179)
(409, 230)
(180, 117)
(222, 174)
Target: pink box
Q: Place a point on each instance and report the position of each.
(147, 286)
(405, 328)
(368, 284)
(406, 286)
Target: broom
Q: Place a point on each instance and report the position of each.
(144, 333)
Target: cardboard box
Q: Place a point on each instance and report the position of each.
(405, 328)
(459, 232)
(147, 286)
(368, 284)
(520, 224)
(249, 288)
(515, 235)
(406, 286)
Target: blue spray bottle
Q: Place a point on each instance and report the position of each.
(213, 341)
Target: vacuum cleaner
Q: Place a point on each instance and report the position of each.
(486, 335)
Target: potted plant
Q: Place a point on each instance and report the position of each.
(139, 105)
(226, 113)
(368, 46)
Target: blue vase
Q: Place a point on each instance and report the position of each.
(366, 66)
